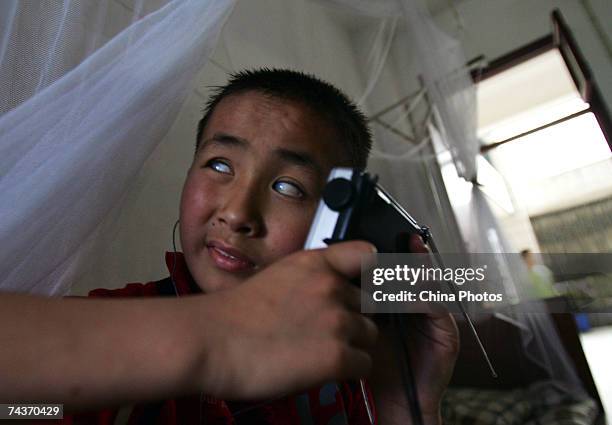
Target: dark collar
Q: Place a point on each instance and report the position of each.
(179, 272)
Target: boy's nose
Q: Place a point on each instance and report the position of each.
(241, 212)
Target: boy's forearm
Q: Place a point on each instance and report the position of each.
(89, 353)
(254, 341)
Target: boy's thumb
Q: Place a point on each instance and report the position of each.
(345, 257)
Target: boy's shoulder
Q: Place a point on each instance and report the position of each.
(157, 288)
(183, 283)
(130, 290)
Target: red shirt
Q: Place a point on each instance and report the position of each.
(333, 403)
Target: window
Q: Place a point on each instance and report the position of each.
(543, 127)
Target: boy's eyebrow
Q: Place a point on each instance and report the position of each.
(223, 139)
(301, 159)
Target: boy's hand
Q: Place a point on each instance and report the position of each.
(292, 326)
(433, 345)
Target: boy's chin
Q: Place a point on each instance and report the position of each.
(222, 286)
(217, 282)
(212, 278)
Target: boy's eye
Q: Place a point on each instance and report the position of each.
(219, 166)
(288, 189)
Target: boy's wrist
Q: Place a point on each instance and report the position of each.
(210, 346)
(198, 339)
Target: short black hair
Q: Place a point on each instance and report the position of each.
(320, 96)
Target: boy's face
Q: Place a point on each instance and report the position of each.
(253, 187)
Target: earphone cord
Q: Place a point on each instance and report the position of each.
(174, 257)
(406, 370)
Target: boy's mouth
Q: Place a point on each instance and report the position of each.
(228, 258)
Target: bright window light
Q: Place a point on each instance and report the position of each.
(524, 92)
(553, 168)
(493, 185)
(532, 118)
(567, 146)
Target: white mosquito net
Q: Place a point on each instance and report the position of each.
(81, 111)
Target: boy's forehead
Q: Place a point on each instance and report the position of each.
(261, 118)
(252, 107)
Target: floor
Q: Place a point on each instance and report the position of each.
(597, 345)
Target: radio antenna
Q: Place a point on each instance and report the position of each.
(426, 234)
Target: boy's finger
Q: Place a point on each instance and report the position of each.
(345, 257)
(358, 300)
(333, 361)
(357, 365)
(417, 245)
(363, 332)
(351, 297)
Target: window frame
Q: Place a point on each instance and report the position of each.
(562, 39)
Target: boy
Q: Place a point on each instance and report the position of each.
(276, 319)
